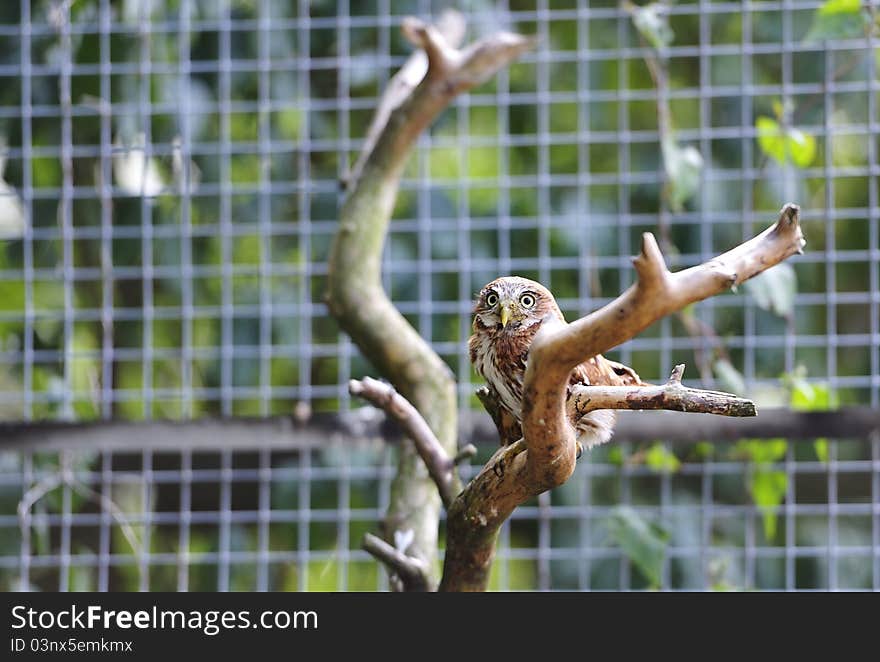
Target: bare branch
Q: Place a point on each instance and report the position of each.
(440, 466)
(465, 454)
(411, 571)
(450, 28)
(442, 55)
(672, 395)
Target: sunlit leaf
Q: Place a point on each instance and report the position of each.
(832, 7)
(781, 145)
(774, 289)
(643, 543)
(768, 492)
(770, 138)
(661, 459)
(838, 19)
(801, 146)
(821, 448)
(652, 23)
(761, 451)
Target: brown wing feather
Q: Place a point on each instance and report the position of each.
(599, 370)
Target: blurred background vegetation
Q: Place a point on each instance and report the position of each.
(169, 189)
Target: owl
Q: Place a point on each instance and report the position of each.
(507, 315)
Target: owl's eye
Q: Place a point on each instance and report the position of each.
(527, 300)
(491, 299)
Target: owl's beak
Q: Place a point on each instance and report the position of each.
(505, 313)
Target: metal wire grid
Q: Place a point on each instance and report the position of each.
(267, 537)
(549, 220)
(417, 275)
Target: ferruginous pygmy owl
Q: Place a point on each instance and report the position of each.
(507, 315)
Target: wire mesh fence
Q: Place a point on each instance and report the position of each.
(293, 519)
(168, 193)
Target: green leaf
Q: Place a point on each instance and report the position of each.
(809, 397)
(683, 166)
(704, 450)
(770, 138)
(730, 379)
(774, 289)
(661, 459)
(838, 19)
(615, 456)
(768, 492)
(653, 25)
(782, 145)
(761, 451)
(821, 448)
(801, 147)
(643, 543)
(832, 7)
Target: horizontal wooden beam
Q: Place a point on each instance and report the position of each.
(285, 432)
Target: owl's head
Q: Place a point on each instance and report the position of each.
(512, 303)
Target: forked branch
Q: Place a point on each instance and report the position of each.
(545, 457)
(440, 465)
(412, 572)
(558, 348)
(672, 395)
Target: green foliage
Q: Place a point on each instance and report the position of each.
(774, 289)
(643, 542)
(768, 490)
(768, 486)
(811, 397)
(660, 459)
(838, 19)
(784, 144)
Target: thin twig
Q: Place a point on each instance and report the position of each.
(440, 466)
(464, 454)
(411, 571)
(65, 477)
(672, 395)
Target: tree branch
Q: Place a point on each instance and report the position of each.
(355, 295)
(440, 466)
(451, 27)
(545, 458)
(411, 571)
(559, 347)
(672, 395)
(509, 429)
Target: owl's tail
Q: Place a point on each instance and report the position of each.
(596, 427)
